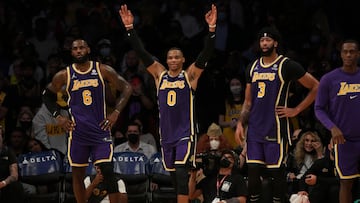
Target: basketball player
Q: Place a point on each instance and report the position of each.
(89, 126)
(266, 112)
(175, 97)
(337, 107)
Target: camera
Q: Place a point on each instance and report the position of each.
(208, 161)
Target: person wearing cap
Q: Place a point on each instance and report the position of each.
(266, 112)
(213, 140)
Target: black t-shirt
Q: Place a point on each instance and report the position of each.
(231, 186)
(7, 157)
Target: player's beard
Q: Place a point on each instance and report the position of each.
(268, 52)
(82, 59)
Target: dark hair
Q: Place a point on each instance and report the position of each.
(134, 124)
(42, 146)
(351, 41)
(234, 155)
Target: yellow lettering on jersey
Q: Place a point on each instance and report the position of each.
(85, 83)
(263, 76)
(176, 84)
(348, 88)
(53, 129)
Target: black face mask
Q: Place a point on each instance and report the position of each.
(133, 138)
(118, 141)
(224, 163)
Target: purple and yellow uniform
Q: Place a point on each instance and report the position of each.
(176, 103)
(269, 88)
(338, 104)
(86, 92)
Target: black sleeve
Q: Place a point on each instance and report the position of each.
(139, 48)
(247, 73)
(292, 70)
(49, 99)
(205, 54)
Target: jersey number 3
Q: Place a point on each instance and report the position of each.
(261, 92)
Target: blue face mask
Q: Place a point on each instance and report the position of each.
(105, 51)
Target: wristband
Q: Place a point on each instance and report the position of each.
(4, 182)
(117, 111)
(56, 114)
(212, 26)
(129, 25)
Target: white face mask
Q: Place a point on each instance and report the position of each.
(214, 144)
(236, 89)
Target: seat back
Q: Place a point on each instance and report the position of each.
(131, 167)
(157, 171)
(69, 196)
(166, 191)
(40, 168)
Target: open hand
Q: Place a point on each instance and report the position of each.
(126, 15)
(211, 15)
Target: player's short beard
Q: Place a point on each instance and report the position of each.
(82, 59)
(268, 52)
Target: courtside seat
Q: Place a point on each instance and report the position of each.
(69, 196)
(131, 167)
(166, 191)
(43, 170)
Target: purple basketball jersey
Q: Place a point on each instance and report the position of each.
(86, 92)
(268, 90)
(175, 98)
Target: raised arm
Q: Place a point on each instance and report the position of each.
(195, 69)
(152, 66)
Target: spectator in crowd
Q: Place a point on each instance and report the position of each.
(320, 181)
(224, 186)
(24, 120)
(96, 192)
(213, 140)
(134, 144)
(44, 42)
(308, 149)
(4, 102)
(10, 189)
(17, 141)
(145, 135)
(231, 110)
(34, 145)
(47, 130)
(118, 137)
